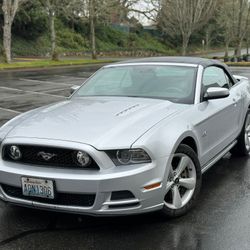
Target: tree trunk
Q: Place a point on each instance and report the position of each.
(54, 54)
(207, 40)
(9, 11)
(238, 50)
(239, 33)
(92, 28)
(8, 19)
(247, 46)
(185, 41)
(7, 41)
(226, 49)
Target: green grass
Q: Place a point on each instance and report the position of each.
(239, 64)
(49, 63)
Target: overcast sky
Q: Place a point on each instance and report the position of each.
(143, 6)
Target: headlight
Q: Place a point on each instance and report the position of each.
(128, 156)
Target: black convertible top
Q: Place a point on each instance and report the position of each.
(177, 59)
(181, 59)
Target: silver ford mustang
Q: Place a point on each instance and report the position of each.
(135, 137)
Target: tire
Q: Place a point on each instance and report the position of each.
(242, 148)
(181, 194)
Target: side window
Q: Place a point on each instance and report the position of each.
(215, 77)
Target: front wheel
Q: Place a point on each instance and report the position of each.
(242, 148)
(183, 182)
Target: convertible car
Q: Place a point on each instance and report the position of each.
(136, 137)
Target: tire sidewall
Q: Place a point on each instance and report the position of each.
(240, 148)
(243, 133)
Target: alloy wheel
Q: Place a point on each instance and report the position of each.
(181, 181)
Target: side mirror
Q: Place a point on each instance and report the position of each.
(216, 93)
(74, 88)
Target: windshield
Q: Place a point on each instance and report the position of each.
(173, 83)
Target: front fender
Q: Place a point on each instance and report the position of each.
(164, 139)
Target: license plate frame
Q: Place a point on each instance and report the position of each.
(36, 187)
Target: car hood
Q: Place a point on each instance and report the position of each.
(101, 122)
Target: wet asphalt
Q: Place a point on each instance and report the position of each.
(220, 220)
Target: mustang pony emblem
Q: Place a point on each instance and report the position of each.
(46, 156)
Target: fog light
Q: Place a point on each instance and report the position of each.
(83, 159)
(15, 153)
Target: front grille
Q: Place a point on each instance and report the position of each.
(65, 199)
(61, 157)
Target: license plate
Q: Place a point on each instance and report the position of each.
(38, 187)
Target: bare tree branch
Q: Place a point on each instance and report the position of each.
(178, 17)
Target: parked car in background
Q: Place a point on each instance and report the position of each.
(136, 137)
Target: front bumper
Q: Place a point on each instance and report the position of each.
(101, 183)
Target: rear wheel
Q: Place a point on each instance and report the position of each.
(242, 148)
(183, 183)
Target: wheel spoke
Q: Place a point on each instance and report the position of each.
(169, 185)
(188, 183)
(184, 161)
(171, 172)
(177, 202)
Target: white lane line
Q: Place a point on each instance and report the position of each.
(79, 78)
(8, 88)
(12, 96)
(12, 89)
(55, 90)
(32, 92)
(39, 81)
(10, 110)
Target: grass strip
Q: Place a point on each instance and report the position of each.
(239, 64)
(49, 63)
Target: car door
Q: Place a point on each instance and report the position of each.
(218, 121)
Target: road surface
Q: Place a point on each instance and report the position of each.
(221, 219)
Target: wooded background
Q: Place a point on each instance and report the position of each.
(54, 27)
